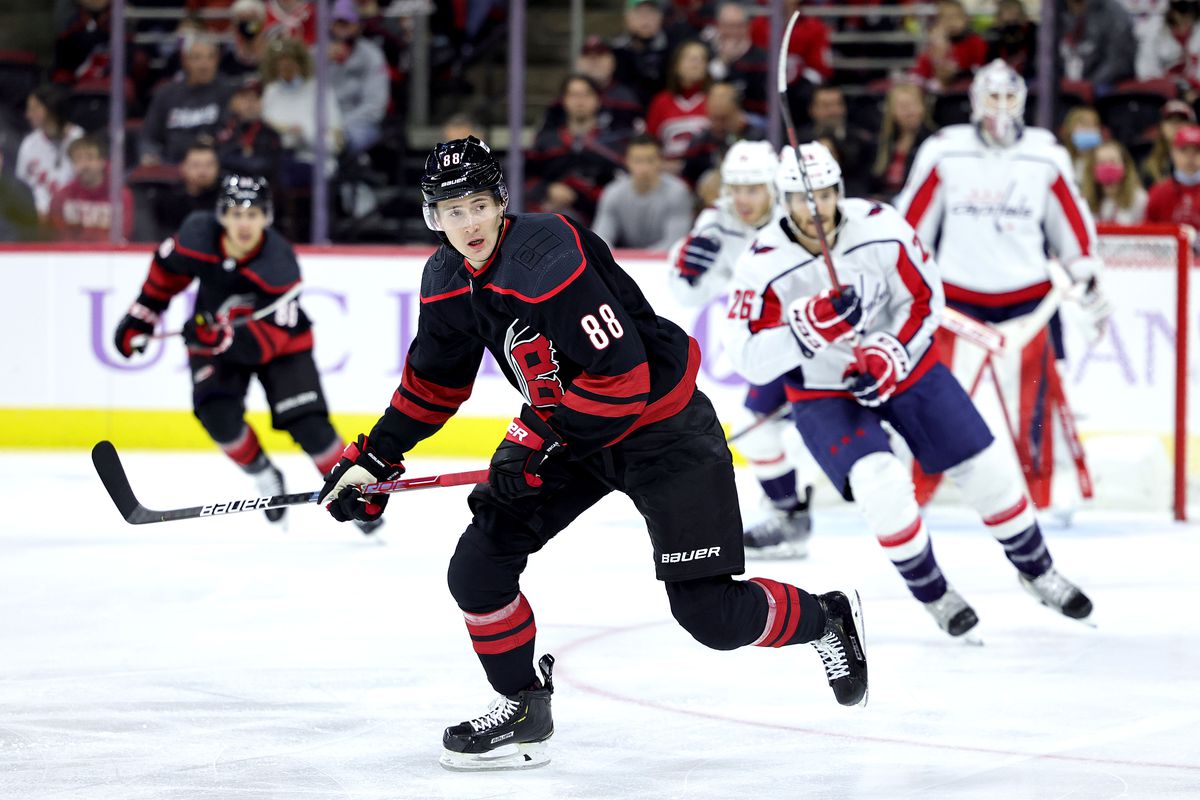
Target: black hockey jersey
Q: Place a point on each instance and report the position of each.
(232, 287)
(568, 327)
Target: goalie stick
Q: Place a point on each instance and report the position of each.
(112, 475)
(237, 322)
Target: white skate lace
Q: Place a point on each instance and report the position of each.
(269, 482)
(833, 656)
(498, 713)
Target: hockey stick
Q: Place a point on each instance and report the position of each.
(237, 322)
(860, 360)
(777, 414)
(112, 475)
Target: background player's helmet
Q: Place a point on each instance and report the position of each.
(750, 164)
(823, 170)
(244, 191)
(456, 169)
(998, 102)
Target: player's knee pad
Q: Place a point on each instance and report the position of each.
(992, 484)
(763, 446)
(705, 608)
(313, 432)
(222, 418)
(883, 491)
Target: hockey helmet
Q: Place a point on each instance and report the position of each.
(749, 164)
(998, 101)
(822, 168)
(456, 169)
(244, 191)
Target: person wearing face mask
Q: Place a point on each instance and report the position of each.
(1157, 165)
(1111, 186)
(1170, 47)
(1177, 198)
(1080, 135)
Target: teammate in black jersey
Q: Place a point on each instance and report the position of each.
(244, 267)
(611, 405)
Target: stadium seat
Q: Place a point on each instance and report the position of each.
(1133, 106)
(19, 75)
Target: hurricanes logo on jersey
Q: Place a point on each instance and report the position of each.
(531, 356)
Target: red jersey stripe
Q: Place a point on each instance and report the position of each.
(419, 413)
(922, 199)
(571, 279)
(596, 408)
(445, 295)
(628, 384)
(1074, 218)
(434, 393)
(919, 289)
(995, 299)
(772, 313)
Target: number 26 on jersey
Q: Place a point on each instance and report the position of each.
(741, 305)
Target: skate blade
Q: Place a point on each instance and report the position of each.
(860, 629)
(509, 757)
(969, 638)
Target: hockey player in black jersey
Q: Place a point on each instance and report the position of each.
(610, 405)
(243, 267)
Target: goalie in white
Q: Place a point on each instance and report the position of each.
(702, 268)
(855, 357)
(994, 197)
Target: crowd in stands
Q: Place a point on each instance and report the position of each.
(633, 141)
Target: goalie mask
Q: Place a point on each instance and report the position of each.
(998, 103)
(245, 191)
(457, 169)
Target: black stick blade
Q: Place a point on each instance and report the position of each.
(112, 475)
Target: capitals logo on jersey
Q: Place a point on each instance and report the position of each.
(531, 356)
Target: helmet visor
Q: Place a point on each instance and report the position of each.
(479, 208)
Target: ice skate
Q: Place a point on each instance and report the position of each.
(512, 734)
(842, 647)
(1058, 593)
(270, 483)
(784, 534)
(954, 615)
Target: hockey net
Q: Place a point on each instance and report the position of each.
(1131, 389)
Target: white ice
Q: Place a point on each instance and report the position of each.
(221, 659)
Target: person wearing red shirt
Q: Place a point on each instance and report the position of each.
(809, 54)
(1176, 198)
(954, 51)
(678, 113)
(81, 211)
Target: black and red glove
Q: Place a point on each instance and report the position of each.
(205, 335)
(359, 465)
(523, 454)
(134, 330)
(824, 318)
(887, 363)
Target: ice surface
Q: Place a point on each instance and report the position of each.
(220, 658)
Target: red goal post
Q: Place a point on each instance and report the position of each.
(1161, 246)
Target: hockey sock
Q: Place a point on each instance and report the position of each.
(725, 614)
(781, 491)
(246, 451)
(1027, 551)
(328, 458)
(504, 641)
(793, 616)
(922, 573)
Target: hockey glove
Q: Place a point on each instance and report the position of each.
(359, 465)
(1096, 309)
(824, 319)
(133, 332)
(887, 363)
(206, 336)
(522, 455)
(697, 257)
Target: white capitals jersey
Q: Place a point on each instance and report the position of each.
(876, 252)
(989, 213)
(720, 223)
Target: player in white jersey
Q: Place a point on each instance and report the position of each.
(994, 197)
(858, 356)
(703, 266)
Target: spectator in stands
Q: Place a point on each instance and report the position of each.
(1157, 165)
(648, 207)
(184, 109)
(18, 215)
(953, 51)
(906, 124)
(199, 173)
(738, 60)
(460, 126)
(1176, 198)
(678, 112)
(1081, 133)
(245, 144)
(809, 57)
(828, 119)
(642, 50)
(359, 76)
(389, 33)
(83, 41)
(289, 105)
(292, 19)
(1111, 186)
(620, 109)
(1013, 38)
(243, 54)
(689, 19)
(1171, 46)
(81, 211)
(1097, 43)
(42, 160)
(728, 123)
(568, 167)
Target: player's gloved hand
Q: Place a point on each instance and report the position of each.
(359, 465)
(523, 453)
(1095, 308)
(887, 363)
(205, 335)
(825, 318)
(697, 257)
(133, 331)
